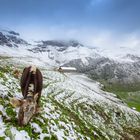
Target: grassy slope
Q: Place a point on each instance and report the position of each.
(59, 120)
(56, 119)
(130, 94)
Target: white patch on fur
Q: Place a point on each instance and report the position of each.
(30, 94)
(33, 69)
(31, 87)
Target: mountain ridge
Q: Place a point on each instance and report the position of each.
(95, 62)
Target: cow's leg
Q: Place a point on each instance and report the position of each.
(38, 108)
(38, 99)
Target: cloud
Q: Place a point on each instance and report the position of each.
(88, 36)
(131, 40)
(108, 39)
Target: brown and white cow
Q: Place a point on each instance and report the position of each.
(31, 87)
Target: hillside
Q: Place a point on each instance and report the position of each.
(71, 109)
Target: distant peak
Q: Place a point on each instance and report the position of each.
(13, 33)
(61, 43)
(9, 32)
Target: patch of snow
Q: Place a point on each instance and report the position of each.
(19, 135)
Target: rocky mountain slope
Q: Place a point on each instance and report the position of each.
(11, 39)
(120, 68)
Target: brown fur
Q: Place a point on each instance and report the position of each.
(31, 87)
(29, 77)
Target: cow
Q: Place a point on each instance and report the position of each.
(31, 87)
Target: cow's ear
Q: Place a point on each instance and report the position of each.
(15, 102)
(36, 96)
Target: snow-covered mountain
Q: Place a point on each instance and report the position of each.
(115, 66)
(73, 106)
(11, 39)
(120, 66)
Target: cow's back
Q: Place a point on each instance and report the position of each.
(29, 77)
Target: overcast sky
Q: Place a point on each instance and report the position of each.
(105, 23)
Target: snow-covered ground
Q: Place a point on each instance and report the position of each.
(73, 107)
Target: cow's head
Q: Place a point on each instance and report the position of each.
(27, 109)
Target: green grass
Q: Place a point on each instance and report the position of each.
(130, 98)
(120, 87)
(2, 138)
(130, 94)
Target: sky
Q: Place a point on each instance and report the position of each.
(104, 23)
